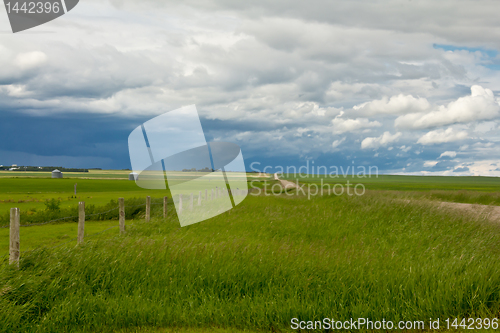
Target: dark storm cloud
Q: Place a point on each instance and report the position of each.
(27, 139)
(289, 81)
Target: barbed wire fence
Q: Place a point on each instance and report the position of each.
(15, 217)
(75, 239)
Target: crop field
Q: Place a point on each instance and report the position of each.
(407, 183)
(390, 254)
(479, 190)
(31, 192)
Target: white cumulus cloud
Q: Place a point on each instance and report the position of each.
(395, 105)
(430, 164)
(441, 136)
(341, 125)
(337, 143)
(479, 105)
(30, 60)
(404, 148)
(451, 154)
(383, 140)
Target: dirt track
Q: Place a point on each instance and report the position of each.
(285, 183)
(490, 212)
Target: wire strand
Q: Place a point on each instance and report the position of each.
(71, 217)
(75, 238)
(69, 241)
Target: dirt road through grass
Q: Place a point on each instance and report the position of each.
(285, 183)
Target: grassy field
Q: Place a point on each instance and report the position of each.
(261, 264)
(257, 266)
(53, 234)
(408, 183)
(477, 190)
(28, 193)
(116, 174)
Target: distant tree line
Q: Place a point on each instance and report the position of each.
(201, 170)
(44, 169)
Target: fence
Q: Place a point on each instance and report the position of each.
(15, 220)
(213, 194)
(15, 224)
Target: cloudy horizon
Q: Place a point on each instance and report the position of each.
(410, 87)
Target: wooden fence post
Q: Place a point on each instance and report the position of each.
(14, 247)
(121, 209)
(165, 207)
(199, 198)
(206, 195)
(148, 208)
(212, 196)
(81, 221)
(191, 203)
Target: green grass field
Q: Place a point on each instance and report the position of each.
(257, 266)
(27, 193)
(408, 183)
(53, 234)
(116, 174)
(478, 190)
(31, 192)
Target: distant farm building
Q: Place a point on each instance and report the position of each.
(133, 176)
(57, 174)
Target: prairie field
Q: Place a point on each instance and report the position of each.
(390, 254)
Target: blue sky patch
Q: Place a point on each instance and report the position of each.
(487, 52)
(489, 55)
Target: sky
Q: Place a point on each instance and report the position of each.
(410, 87)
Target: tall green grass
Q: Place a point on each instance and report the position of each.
(463, 196)
(52, 235)
(473, 197)
(469, 189)
(134, 208)
(257, 266)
